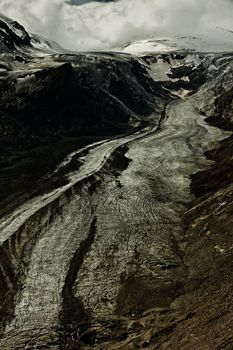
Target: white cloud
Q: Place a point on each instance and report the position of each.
(103, 26)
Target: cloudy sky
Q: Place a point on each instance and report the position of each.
(95, 26)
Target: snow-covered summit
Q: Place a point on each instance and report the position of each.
(217, 40)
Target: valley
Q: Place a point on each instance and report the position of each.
(131, 246)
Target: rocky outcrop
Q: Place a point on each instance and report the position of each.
(91, 99)
(215, 99)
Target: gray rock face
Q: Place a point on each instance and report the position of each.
(215, 99)
(100, 260)
(12, 35)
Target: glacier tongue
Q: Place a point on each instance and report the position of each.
(83, 263)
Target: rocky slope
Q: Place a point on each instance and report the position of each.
(62, 101)
(104, 241)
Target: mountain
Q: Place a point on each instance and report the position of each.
(12, 35)
(116, 194)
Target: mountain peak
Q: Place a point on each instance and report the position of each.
(12, 35)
